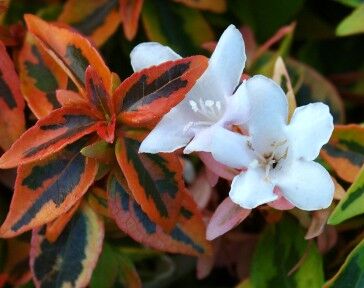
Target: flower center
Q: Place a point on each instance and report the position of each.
(209, 109)
(271, 160)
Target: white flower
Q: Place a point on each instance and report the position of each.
(211, 102)
(277, 154)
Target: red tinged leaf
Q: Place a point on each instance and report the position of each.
(48, 188)
(186, 237)
(50, 134)
(147, 95)
(130, 12)
(70, 260)
(96, 19)
(40, 77)
(12, 121)
(98, 97)
(70, 50)
(155, 180)
(217, 6)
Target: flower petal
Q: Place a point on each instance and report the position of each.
(307, 185)
(227, 216)
(310, 128)
(201, 141)
(268, 112)
(150, 54)
(231, 149)
(216, 168)
(281, 203)
(237, 108)
(170, 133)
(251, 189)
(228, 59)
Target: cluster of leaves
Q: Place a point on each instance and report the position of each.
(89, 207)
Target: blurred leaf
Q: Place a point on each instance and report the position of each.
(71, 259)
(217, 6)
(114, 270)
(175, 25)
(351, 273)
(284, 259)
(311, 87)
(130, 12)
(353, 24)
(351, 3)
(345, 151)
(97, 19)
(265, 17)
(352, 204)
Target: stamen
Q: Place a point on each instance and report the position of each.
(194, 105)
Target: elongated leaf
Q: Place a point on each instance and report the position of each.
(118, 268)
(147, 95)
(50, 134)
(97, 94)
(353, 24)
(40, 77)
(97, 199)
(186, 237)
(345, 151)
(71, 50)
(279, 250)
(96, 19)
(12, 122)
(353, 202)
(351, 274)
(217, 6)
(48, 188)
(71, 259)
(155, 180)
(130, 11)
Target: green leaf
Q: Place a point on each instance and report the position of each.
(281, 247)
(352, 204)
(353, 24)
(351, 274)
(114, 270)
(351, 3)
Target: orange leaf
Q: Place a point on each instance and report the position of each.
(218, 6)
(130, 12)
(48, 188)
(70, 50)
(40, 77)
(50, 134)
(186, 237)
(12, 122)
(147, 95)
(155, 180)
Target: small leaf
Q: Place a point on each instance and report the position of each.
(70, 50)
(352, 204)
(186, 237)
(284, 259)
(218, 6)
(345, 151)
(351, 273)
(40, 77)
(130, 12)
(12, 121)
(95, 19)
(147, 95)
(100, 150)
(49, 135)
(352, 24)
(226, 216)
(155, 180)
(48, 188)
(71, 259)
(118, 268)
(97, 199)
